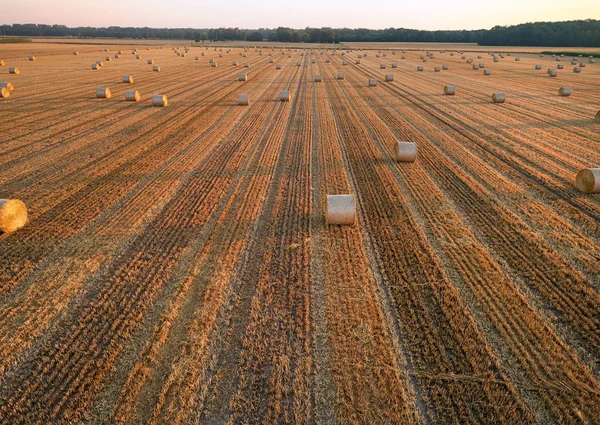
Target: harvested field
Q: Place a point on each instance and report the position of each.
(177, 266)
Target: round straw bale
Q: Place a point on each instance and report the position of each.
(132, 96)
(150, 61)
(437, 69)
(327, 60)
(156, 68)
(597, 118)
(517, 59)
(128, 79)
(550, 70)
(498, 97)
(389, 77)
(565, 91)
(103, 93)
(538, 66)
(108, 59)
(13, 70)
(592, 60)
(557, 59)
(117, 56)
(318, 78)
(403, 57)
(285, 96)
(95, 66)
(8, 86)
(405, 152)
(300, 63)
(577, 70)
(582, 64)
(4, 92)
(357, 61)
(160, 100)
(242, 77)
(246, 64)
(243, 100)
(445, 67)
(476, 67)
(478, 56)
(496, 59)
(588, 180)
(420, 68)
(470, 60)
(138, 56)
(340, 209)
(487, 72)
(553, 73)
(463, 57)
(340, 76)
(449, 90)
(76, 53)
(13, 215)
(372, 82)
(560, 66)
(382, 66)
(271, 60)
(32, 58)
(481, 65)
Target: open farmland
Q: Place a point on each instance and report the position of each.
(177, 266)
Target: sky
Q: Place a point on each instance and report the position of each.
(252, 14)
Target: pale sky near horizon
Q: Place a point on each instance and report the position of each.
(251, 14)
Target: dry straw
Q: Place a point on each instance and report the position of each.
(159, 100)
(13, 215)
(103, 93)
(588, 180)
(340, 209)
(449, 90)
(498, 97)
(405, 152)
(132, 96)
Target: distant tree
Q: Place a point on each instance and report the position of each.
(255, 36)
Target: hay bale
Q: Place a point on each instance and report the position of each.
(4, 92)
(242, 77)
(285, 96)
(478, 56)
(496, 59)
(358, 61)
(7, 86)
(341, 76)
(588, 180)
(340, 209)
(405, 152)
(156, 68)
(382, 66)
(449, 90)
(487, 72)
(582, 64)
(138, 56)
(246, 64)
(318, 78)
(13, 215)
(108, 59)
(372, 82)
(234, 63)
(213, 64)
(498, 97)
(481, 65)
(160, 100)
(517, 59)
(403, 57)
(389, 77)
(119, 52)
(128, 79)
(538, 66)
(476, 67)
(550, 70)
(117, 56)
(298, 63)
(13, 70)
(437, 69)
(565, 91)
(592, 60)
(150, 61)
(553, 74)
(32, 58)
(95, 66)
(597, 118)
(394, 65)
(420, 68)
(560, 66)
(577, 70)
(470, 60)
(243, 100)
(103, 93)
(76, 53)
(445, 67)
(132, 96)
(327, 60)
(278, 66)
(463, 57)
(557, 59)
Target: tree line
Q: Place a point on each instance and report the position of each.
(584, 33)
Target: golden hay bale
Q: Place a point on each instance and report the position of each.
(327, 60)
(357, 61)
(243, 100)
(394, 65)
(4, 92)
(478, 56)
(246, 64)
(476, 67)
(445, 67)
(403, 57)
(271, 60)
(517, 59)
(138, 56)
(382, 66)
(405, 152)
(577, 70)
(108, 59)
(100, 63)
(76, 53)
(553, 73)
(496, 59)
(463, 57)
(285, 96)
(340, 209)
(341, 76)
(242, 77)
(582, 64)
(487, 72)
(498, 97)
(119, 52)
(420, 68)
(13, 215)
(597, 118)
(318, 78)
(106, 49)
(117, 56)
(128, 79)
(372, 82)
(449, 90)
(13, 70)
(8, 86)
(592, 60)
(132, 96)
(389, 77)
(150, 61)
(437, 69)
(481, 65)
(103, 93)
(588, 180)
(32, 58)
(470, 60)
(560, 66)
(95, 66)
(160, 100)
(156, 68)
(565, 91)
(278, 66)
(557, 59)
(538, 66)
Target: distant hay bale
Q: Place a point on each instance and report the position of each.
(382, 66)
(577, 70)
(298, 63)
(538, 66)
(213, 64)
(498, 97)
(2, 63)
(108, 59)
(128, 79)
(463, 57)
(340, 76)
(106, 49)
(517, 59)
(389, 77)
(403, 57)
(437, 69)
(582, 64)
(560, 66)
(76, 53)
(597, 118)
(7, 86)
(588, 180)
(119, 52)
(117, 56)
(234, 63)
(246, 64)
(340, 209)
(271, 60)
(420, 68)
(565, 91)
(541, 55)
(549, 70)
(13, 215)
(327, 60)
(278, 66)
(318, 78)
(487, 72)
(14, 70)
(285, 96)
(478, 56)
(32, 58)
(243, 100)
(557, 59)
(405, 152)
(150, 61)
(357, 61)
(592, 60)
(160, 100)
(496, 59)
(242, 77)
(196, 58)
(132, 96)
(394, 65)
(156, 68)
(103, 93)
(553, 74)
(476, 67)
(445, 67)
(100, 63)
(481, 65)
(449, 90)
(138, 56)
(4, 92)
(372, 82)
(95, 66)
(470, 60)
